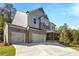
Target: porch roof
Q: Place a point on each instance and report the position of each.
(52, 32)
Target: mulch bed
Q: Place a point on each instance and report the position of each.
(3, 45)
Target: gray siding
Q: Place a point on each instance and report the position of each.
(52, 27)
(44, 23)
(35, 14)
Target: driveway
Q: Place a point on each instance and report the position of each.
(52, 48)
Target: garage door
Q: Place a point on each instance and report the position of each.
(38, 38)
(17, 37)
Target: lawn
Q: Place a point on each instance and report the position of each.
(7, 50)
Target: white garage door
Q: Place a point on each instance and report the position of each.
(17, 37)
(38, 38)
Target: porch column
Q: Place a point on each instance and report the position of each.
(53, 35)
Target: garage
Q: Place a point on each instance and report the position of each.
(17, 37)
(38, 37)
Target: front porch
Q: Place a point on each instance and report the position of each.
(52, 36)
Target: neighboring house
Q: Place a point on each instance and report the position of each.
(30, 26)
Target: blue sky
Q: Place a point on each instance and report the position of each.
(58, 13)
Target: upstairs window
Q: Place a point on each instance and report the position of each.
(34, 20)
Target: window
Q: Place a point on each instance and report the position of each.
(34, 20)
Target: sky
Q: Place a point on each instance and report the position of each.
(58, 13)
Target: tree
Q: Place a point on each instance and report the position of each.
(60, 29)
(75, 36)
(1, 28)
(9, 12)
(65, 26)
(64, 34)
(1, 24)
(6, 15)
(61, 37)
(70, 35)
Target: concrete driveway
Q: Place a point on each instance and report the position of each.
(52, 48)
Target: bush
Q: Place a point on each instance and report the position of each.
(61, 39)
(66, 36)
(75, 37)
(1, 37)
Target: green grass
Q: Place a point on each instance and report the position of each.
(7, 51)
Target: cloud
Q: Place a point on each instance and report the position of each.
(76, 8)
(72, 10)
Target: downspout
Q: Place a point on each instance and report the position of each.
(27, 28)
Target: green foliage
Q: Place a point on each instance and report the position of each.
(61, 38)
(75, 36)
(7, 13)
(66, 36)
(1, 28)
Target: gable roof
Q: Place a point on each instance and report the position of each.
(52, 23)
(22, 22)
(40, 9)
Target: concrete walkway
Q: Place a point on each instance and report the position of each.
(44, 49)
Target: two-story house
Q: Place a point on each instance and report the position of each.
(30, 26)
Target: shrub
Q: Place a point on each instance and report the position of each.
(1, 37)
(66, 36)
(75, 37)
(61, 39)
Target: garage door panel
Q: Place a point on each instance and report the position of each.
(17, 37)
(38, 38)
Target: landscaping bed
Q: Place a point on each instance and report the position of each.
(7, 50)
(75, 46)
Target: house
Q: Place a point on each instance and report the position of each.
(30, 26)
